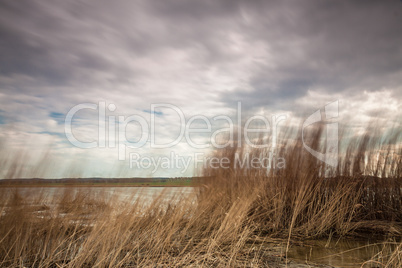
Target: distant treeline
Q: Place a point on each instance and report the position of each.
(90, 180)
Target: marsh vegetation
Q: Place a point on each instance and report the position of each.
(234, 217)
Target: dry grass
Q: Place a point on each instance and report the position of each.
(236, 210)
(395, 259)
(390, 256)
(81, 230)
(308, 199)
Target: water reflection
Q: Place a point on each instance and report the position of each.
(47, 195)
(339, 253)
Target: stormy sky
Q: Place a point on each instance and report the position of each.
(275, 57)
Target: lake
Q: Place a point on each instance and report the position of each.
(147, 194)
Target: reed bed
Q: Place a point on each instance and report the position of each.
(80, 230)
(230, 219)
(309, 199)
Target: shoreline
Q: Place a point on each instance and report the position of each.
(91, 185)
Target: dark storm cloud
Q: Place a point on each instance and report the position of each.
(342, 46)
(53, 42)
(346, 39)
(24, 49)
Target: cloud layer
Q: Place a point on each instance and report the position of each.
(203, 56)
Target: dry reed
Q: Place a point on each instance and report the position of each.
(232, 212)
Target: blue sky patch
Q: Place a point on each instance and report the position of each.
(155, 112)
(59, 117)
